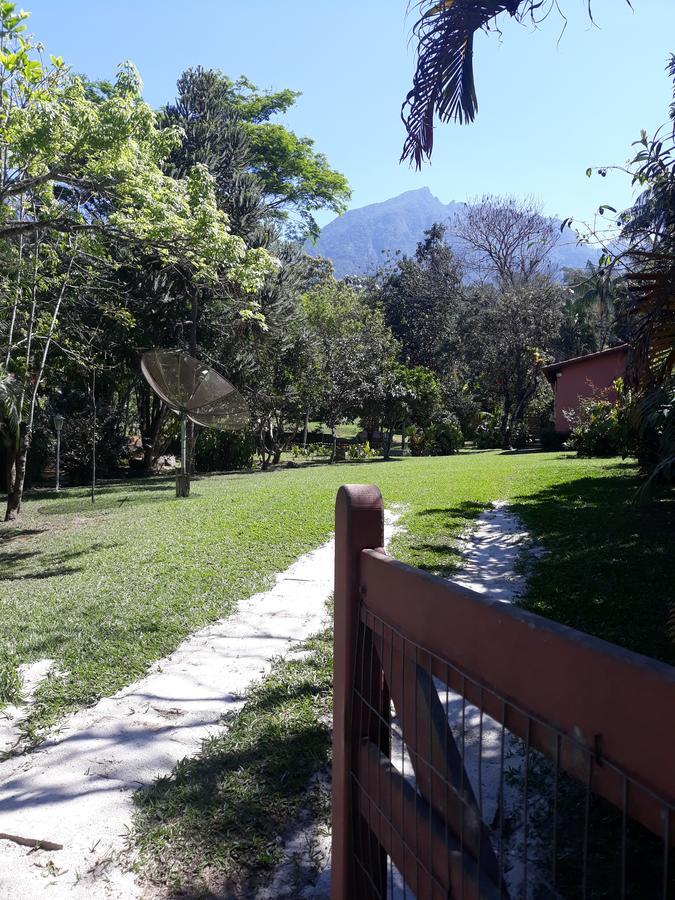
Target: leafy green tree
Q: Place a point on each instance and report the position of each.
(295, 180)
(507, 339)
(82, 168)
(420, 299)
(411, 396)
(357, 350)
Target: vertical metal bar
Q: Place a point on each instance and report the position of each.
(432, 688)
(480, 786)
(501, 798)
(666, 851)
(448, 738)
(390, 675)
(461, 781)
(526, 823)
(587, 816)
(58, 460)
(556, 778)
(400, 718)
(624, 837)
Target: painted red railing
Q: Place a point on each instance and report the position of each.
(483, 751)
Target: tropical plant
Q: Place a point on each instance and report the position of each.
(649, 226)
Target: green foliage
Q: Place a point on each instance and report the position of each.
(360, 451)
(442, 438)
(600, 427)
(294, 180)
(488, 433)
(219, 451)
(9, 408)
(420, 298)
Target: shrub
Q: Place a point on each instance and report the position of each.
(600, 428)
(440, 439)
(360, 451)
(219, 451)
(488, 433)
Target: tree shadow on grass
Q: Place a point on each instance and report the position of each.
(440, 554)
(36, 565)
(610, 568)
(230, 806)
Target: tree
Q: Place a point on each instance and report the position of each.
(411, 396)
(357, 350)
(508, 241)
(508, 333)
(649, 229)
(419, 297)
(596, 311)
(294, 180)
(82, 168)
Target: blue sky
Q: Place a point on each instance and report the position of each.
(549, 106)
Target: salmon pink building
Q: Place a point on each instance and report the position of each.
(593, 375)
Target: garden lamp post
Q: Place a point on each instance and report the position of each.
(58, 425)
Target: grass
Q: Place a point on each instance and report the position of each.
(107, 589)
(347, 430)
(220, 817)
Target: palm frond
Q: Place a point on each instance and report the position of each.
(443, 84)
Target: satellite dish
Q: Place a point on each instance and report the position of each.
(193, 391)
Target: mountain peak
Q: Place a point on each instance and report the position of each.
(358, 242)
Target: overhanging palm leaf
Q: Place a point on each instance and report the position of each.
(443, 84)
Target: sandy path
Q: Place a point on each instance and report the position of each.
(77, 788)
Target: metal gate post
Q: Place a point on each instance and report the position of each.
(359, 525)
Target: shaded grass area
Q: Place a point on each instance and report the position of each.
(221, 815)
(107, 589)
(611, 569)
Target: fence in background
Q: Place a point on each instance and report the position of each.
(483, 751)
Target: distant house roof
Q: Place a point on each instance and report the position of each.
(551, 371)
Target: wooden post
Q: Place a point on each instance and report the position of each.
(359, 525)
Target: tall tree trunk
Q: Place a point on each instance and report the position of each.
(333, 456)
(306, 428)
(16, 474)
(505, 426)
(25, 428)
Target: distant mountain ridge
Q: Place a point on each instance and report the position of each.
(358, 241)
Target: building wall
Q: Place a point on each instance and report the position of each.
(587, 378)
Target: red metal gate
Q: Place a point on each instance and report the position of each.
(483, 751)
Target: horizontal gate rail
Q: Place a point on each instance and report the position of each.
(419, 662)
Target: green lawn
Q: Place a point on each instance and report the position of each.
(107, 589)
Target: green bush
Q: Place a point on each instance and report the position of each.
(360, 451)
(439, 439)
(600, 428)
(488, 434)
(223, 451)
